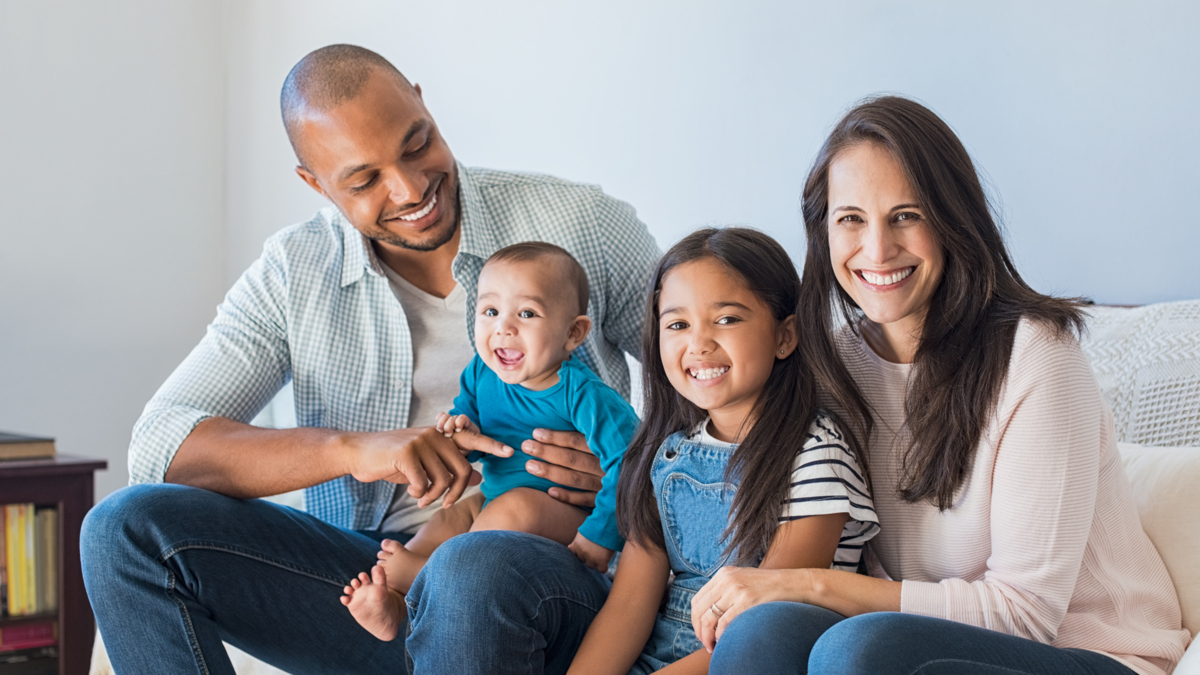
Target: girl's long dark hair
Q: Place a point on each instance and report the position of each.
(763, 460)
(967, 339)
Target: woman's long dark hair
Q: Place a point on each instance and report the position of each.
(763, 460)
(967, 338)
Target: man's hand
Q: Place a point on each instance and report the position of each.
(432, 465)
(592, 554)
(565, 459)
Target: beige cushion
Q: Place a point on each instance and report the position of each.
(1166, 487)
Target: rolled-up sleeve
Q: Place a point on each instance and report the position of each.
(241, 362)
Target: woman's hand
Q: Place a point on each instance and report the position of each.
(565, 459)
(733, 590)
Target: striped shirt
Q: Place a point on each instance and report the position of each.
(317, 309)
(825, 479)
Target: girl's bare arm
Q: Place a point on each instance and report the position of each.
(621, 629)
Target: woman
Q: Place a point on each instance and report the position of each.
(1003, 505)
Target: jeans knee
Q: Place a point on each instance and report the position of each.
(109, 522)
(860, 644)
(473, 562)
(139, 517)
(775, 637)
(112, 528)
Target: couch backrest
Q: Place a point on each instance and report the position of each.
(1147, 360)
(1166, 488)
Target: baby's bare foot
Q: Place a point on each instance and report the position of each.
(388, 548)
(373, 605)
(400, 564)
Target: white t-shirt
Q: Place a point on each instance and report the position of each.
(440, 352)
(825, 479)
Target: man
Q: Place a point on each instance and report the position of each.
(363, 308)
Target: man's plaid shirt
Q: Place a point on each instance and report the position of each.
(316, 309)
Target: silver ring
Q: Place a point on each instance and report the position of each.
(716, 610)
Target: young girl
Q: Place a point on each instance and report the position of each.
(734, 463)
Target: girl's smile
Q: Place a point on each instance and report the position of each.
(719, 342)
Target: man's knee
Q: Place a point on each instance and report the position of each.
(121, 513)
(492, 568)
(120, 529)
(142, 516)
(471, 562)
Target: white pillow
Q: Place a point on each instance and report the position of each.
(1166, 488)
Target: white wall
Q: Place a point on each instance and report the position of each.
(1083, 114)
(111, 233)
(142, 161)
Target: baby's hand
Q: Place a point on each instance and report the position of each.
(448, 424)
(593, 555)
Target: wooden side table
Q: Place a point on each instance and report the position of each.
(68, 483)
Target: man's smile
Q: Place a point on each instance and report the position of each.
(423, 214)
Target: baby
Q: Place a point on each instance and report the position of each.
(531, 314)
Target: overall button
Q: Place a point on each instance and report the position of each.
(670, 454)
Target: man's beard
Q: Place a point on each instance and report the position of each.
(431, 245)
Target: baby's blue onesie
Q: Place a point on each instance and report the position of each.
(580, 401)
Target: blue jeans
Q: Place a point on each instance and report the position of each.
(789, 637)
(171, 571)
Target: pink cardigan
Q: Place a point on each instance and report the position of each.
(1043, 541)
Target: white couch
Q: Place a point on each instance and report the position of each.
(1147, 360)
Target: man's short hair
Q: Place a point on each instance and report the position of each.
(570, 269)
(327, 77)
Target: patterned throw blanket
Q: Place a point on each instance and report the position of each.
(1147, 360)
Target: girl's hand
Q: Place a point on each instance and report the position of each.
(733, 590)
(593, 555)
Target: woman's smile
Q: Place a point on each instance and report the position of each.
(884, 253)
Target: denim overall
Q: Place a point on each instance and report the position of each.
(693, 505)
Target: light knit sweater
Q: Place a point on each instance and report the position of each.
(1043, 540)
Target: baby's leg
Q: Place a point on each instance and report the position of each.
(376, 607)
(446, 523)
(532, 511)
(402, 563)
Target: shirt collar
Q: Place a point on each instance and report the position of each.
(478, 236)
(358, 255)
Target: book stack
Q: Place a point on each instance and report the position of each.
(20, 446)
(42, 660)
(28, 589)
(29, 566)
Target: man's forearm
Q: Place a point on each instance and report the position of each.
(243, 461)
